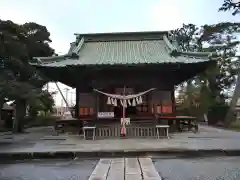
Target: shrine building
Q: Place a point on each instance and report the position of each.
(134, 71)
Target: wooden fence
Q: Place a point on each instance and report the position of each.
(131, 132)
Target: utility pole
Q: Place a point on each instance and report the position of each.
(71, 99)
(62, 111)
(47, 87)
(66, 89)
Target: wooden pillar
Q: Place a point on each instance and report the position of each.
(77, 103)
(96, 104)
(173, 101)
(174, 108)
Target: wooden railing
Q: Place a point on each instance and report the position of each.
(131, 131)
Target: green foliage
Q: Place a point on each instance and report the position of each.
(207, 88)
(41, 120)
(217, 113)
(186, 37)
(230, 5)
(235, 126)
(44, 103)
(18, 80)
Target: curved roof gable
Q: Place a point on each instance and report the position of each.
(123, 49)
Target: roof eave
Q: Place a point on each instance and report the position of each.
(47, 60)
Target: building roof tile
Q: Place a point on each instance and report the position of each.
(121, 51)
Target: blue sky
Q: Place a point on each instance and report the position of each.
(63, 18)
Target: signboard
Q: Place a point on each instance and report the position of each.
(105, 114)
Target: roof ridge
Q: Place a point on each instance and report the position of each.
(172, 50)
(78, 46)
(121, 33)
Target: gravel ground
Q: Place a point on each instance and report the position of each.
(221, 168)
(47, 169)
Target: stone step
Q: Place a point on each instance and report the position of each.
(125, 168)
(116, 171)
(132, 169)
(149, 171)
(101, 170)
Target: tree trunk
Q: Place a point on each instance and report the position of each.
(20, 115)
(1, 106)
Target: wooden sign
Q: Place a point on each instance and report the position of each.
(105, 114)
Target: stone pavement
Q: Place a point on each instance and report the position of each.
(43, 140)
(125, 168)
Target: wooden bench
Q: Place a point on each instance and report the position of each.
(166, 127)
(189, 125)
(181, 120)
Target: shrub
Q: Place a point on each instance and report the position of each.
(42, 121)
(217, 113)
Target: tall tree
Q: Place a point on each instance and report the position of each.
(219, 38)
(233, 5)
(19, 43)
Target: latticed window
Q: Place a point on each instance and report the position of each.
(86, 104)
(86, 111)
(162, 102)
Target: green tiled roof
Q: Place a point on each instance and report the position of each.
(121, 51)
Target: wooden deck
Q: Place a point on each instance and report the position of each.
(125, 168)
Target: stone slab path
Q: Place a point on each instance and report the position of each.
(125, 168)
